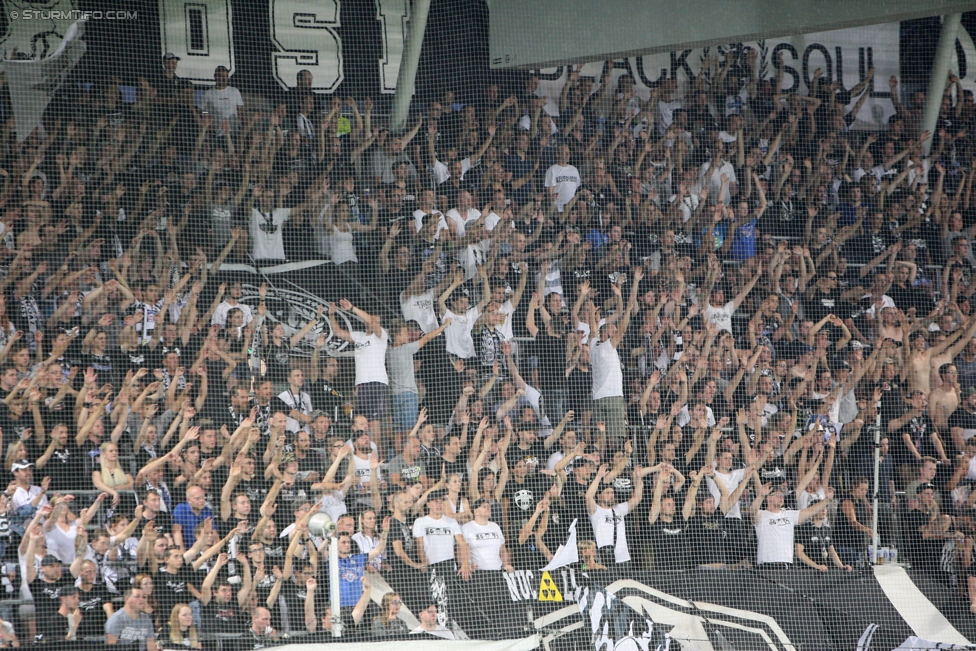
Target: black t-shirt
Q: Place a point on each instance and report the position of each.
(552, 360)
(816, 542)
(574, 500)
(522, 499)
(966, 422)
(821, 304)
(110, 366)
(288, 499)
(256, 490)
(402, 531)
(92, 605)
(920, 430)
(223, 617)
(708, 538)
(172, 589)
(66, 468)
(47, 596)
(670, 542)
(53, 629)
(536, 453)
(327, 397)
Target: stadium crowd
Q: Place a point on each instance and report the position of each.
(677, 322)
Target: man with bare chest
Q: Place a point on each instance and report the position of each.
(920, 359)
(945, 399)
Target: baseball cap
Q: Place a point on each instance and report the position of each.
(839, 365)
(170, 55)
(926, 486)
(20, 465)
(49, 560)
(805, 348)
(968, 391)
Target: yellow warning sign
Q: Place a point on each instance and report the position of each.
(548, 590)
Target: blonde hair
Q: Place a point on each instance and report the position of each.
(384, 615)
(116, 476)
(175, 636)
(586, 546)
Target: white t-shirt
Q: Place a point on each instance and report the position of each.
(301, 402)
(455, 216)
(364, 473)
(438, 537)
(684, 417)
(608, 378)
(506, 328)
(370, 357)
(566, 180)
(420, 308)
(418, 221)
(223, 104)
(604, 521)
(474, 255)
(666, 113)
(491, 220)
(721, 316)
(442, 173)
(457, 336)
(484, 545)
(23, 497)
(731, 481)
(266, 238)
(774, 536)
(715, 181)
(220, 314)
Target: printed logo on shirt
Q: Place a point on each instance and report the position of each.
(438, 531)
(780, 522)
(490, 535)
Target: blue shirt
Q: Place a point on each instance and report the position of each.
(744, 241)
(351, 579)
(184, 516)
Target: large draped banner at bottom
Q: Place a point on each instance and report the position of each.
(706, 610)
(887, 609)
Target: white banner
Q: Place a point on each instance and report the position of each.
(524, 644)
(34, 83)
(844, 55)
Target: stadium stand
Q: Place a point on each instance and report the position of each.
(574, 358)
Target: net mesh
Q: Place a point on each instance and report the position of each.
(596, 353)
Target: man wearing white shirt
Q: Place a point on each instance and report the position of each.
(297, 402)
(223, 102)
(606, 370)
(267, 221)
(607, 516)
(372, 381)
(719, 167)
(428, 206)
(25, 493)
(441, 545)
(486, 542)
(462, 215)
(562, 179)
(719, 312)
(775, 526)
(457, 337)
(498, 205)
(440, 170)
(233, 300)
